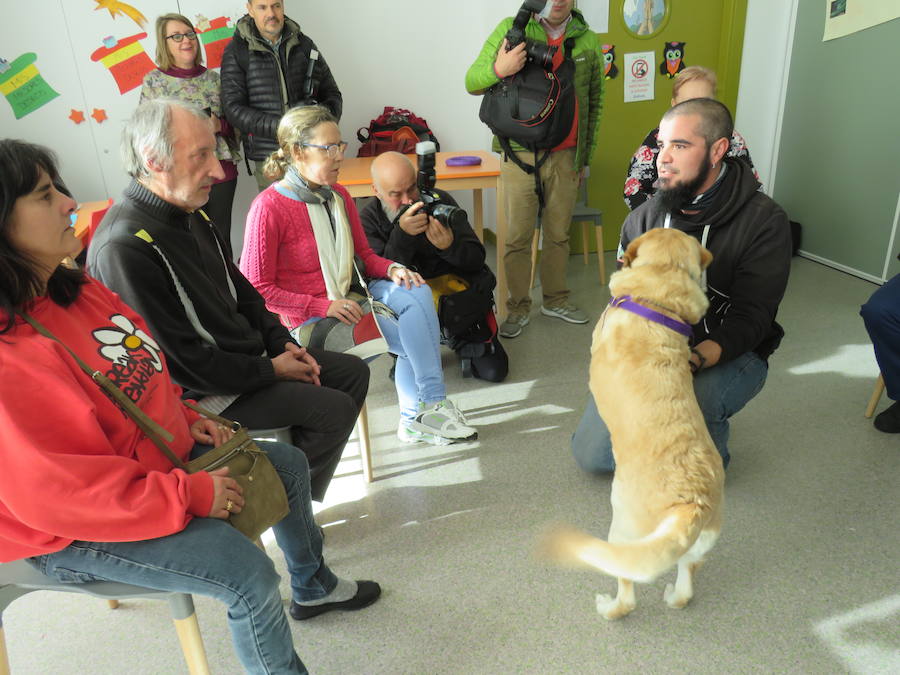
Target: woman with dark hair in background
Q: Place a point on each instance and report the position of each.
(181, 75)
(84, 494)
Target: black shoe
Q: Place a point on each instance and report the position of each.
(367, 592)
(889, 420)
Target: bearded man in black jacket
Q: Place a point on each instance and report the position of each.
(717, 200)
(159, 252)
(270, 66)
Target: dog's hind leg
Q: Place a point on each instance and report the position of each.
(679, 594)
(615, 608)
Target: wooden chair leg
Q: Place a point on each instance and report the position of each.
(185, 618)
(598, 230)
(535, 243)
(585, 241)
(113, 603)
(192, 645)
(876, 396)
(4, 655)
(365, 450)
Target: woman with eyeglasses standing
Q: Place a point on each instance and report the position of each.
(300, 240)
(180, 75)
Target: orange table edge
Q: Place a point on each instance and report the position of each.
(355, 175)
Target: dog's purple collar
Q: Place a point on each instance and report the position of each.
(625, 302)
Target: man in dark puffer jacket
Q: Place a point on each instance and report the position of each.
(264, 71)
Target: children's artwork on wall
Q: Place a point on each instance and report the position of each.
(673, 59)
(99, 115)
(215, 36)
(23, 86)
(645, 18)
(125, 59)
(77, 116)
(115, 8)
(610, 69)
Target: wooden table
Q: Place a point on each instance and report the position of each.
(356, 176)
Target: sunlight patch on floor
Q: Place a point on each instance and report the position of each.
(850, 638)
(849, 360)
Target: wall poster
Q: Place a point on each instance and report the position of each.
(844, 17)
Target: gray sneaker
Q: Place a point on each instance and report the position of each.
(566, 312)
(513, 325)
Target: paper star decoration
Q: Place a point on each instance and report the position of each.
(114, 7)
(76, 116)
(99, 114)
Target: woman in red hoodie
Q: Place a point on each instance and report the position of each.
(83, 493)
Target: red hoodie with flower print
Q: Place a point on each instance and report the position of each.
(73, 466)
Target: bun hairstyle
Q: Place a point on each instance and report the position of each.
(295, 128)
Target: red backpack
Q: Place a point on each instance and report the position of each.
(395, 129)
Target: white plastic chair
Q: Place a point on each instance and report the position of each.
(18, 578)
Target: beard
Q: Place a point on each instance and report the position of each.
(391, 213)
(681, 195)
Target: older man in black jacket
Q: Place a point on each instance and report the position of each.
(397, 228)
(270, 66)
(160, 253)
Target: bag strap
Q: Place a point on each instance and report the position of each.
(145, 423)
(528, 168)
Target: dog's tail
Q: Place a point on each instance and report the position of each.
(641, 560)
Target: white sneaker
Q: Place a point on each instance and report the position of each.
(445, 420)
(407, 435)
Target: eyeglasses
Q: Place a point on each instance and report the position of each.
(178, 37)
(332, 149)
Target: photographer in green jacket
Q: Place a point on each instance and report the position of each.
(561, 26)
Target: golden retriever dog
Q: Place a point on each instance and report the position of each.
(668, 486)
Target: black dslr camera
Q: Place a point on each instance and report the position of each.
(446, 214)
(540, 53)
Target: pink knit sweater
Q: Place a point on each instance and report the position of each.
(281, 260)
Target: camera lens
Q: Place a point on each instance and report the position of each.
(541, 53)
(449, 216)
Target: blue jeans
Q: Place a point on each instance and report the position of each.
(209, 557)
(415, 338)
(881, 315)
(721, 392)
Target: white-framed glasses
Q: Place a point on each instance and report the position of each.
(178, 37)
(332, 149)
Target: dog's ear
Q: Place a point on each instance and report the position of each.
(630, 254)
(705, 258)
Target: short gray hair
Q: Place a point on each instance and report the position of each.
(147, 135)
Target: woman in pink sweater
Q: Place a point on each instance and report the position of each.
(299, 245)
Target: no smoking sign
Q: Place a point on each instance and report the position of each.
(638, 81)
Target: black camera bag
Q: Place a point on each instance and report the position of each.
(536, 109)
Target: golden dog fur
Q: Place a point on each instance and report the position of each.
(667, 492)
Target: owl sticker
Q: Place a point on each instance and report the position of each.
(610, 70)
(673, 59)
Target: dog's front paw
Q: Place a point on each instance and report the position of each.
(612, 608)
(674, 599)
